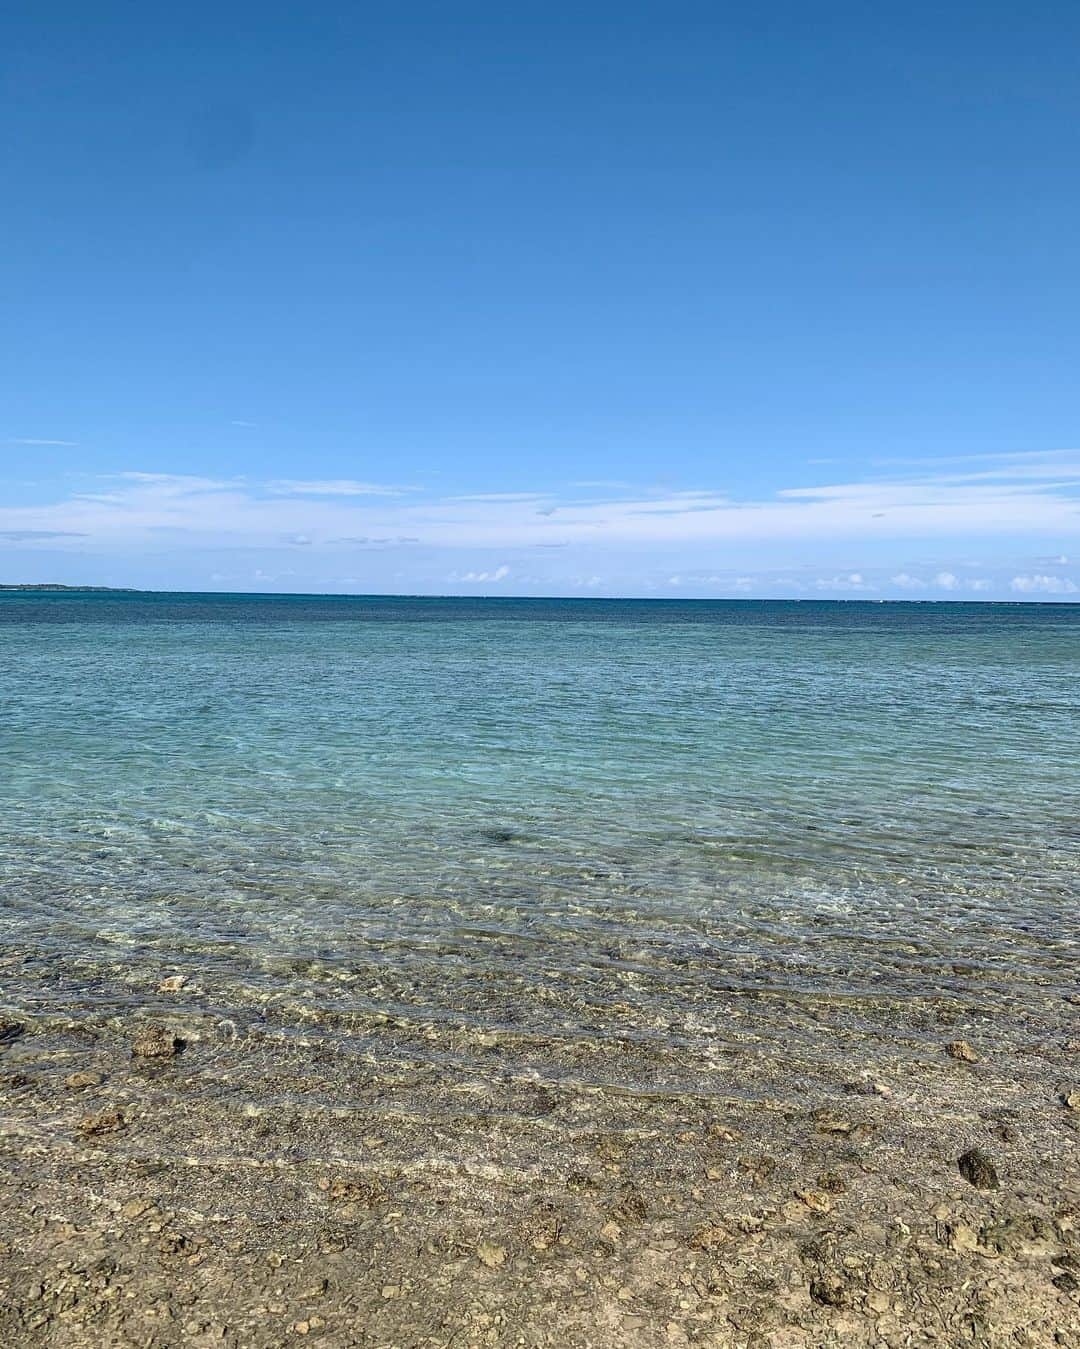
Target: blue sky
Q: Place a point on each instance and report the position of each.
(695, 299)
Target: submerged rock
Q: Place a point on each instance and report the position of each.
(155, 1042)
(960, 1049)
(977, 1169)
(497, 835)
(75, 1081)
(107, 1122)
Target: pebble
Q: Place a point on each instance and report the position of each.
(173, 984)
(1071, 1099)
(491, 1255)
(977, 1169)
(960, 1049)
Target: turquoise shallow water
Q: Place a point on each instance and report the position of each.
(491, 814)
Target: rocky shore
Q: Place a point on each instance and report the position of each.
(173, 1178)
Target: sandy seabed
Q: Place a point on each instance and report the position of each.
(170, 1177)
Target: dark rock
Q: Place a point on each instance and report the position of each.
(977, 1169)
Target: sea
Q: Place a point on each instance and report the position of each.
(551, 821)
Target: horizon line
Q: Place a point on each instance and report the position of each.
(62, 588)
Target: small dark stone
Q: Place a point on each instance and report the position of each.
(1067, 1282)
(977, 1169)
(497, 835)
(10, 1030)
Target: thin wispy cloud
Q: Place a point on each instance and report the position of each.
(34, 440)
(335, 487)
(37, 535)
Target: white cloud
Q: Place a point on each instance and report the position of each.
(852, 580)
(706, 538)
(335, 487)
(943, 580)
(499, 574)
(1040, 584)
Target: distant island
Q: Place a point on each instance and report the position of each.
(51, 585)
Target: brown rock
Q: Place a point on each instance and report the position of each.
(107, 1122)
(831, 1291)
(828, 1122)
(960, 1049)
(155, 1042)
(815, 1200)
(977, 1169)
(709, 1237)
(76, 1081)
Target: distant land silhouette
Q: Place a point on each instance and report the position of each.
(53, 585)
